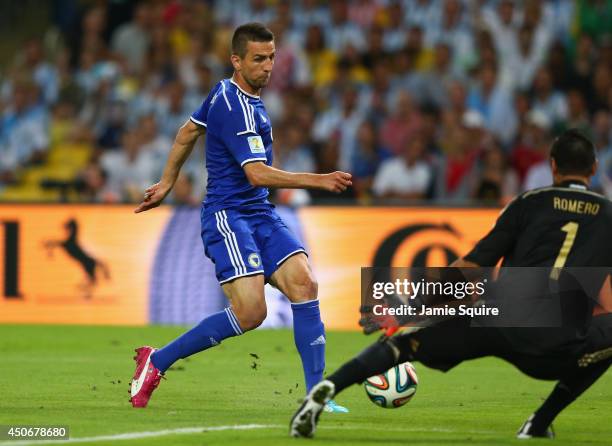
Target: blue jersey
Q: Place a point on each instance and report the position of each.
(238, 131)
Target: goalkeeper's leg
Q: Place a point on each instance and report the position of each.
(441, 347)
(589, 368)
(565, 392)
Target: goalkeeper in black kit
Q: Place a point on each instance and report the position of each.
(553, 228)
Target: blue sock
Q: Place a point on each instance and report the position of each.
(208, 333)
(309, 336)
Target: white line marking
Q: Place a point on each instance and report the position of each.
(238, 427)
(146, 434)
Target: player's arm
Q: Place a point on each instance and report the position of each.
(262, 175)
(185, 139)
(496, 244)
(500, 240)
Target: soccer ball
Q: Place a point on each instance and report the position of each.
(394, 388)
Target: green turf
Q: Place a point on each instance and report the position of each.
(78, 376)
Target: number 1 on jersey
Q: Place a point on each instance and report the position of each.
(571, 229)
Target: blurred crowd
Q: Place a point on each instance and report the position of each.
(453, 101)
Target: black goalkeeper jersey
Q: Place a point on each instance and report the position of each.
(563, 225)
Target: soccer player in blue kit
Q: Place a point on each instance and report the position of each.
(242, 234)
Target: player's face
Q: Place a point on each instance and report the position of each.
(256, 66)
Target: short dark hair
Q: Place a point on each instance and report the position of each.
(574, 153)
(249, 32)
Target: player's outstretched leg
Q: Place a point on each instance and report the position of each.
(296, 281)
(151, 364)
(247, 311)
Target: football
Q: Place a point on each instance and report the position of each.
(394, 388)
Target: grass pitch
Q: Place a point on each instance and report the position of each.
(79, 376)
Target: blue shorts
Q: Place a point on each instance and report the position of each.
(247, 242)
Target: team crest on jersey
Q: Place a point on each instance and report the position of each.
(256, 144)
(254, 260)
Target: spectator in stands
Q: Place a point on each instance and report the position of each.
(423, 55)
(548, 100)
(369, 155)
(363, 12)
(360, 57)
(493, 101)
(407, 78)
(24, 137)
(533, 144)
(153, 142)
(341, 31)
(401, 125)
(602, 85)
(523, 58)
(328, 159)
(583, 66)
(311, 13)
(33, 65)
(322, 61)
(131, 169)
(455, 169)
(394, 35)
(454, 31)
(172, 106)
(435, 83)
(457, 98)
(374, 51)
(497, 182)
(406, 176)
(381, 94)
(502, 20)
(295, 155)
(92, 185)
(344, 120)
(424, 14)
(577, 112)
(132, 39)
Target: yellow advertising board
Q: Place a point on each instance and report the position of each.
(96, 264)
(76, 264)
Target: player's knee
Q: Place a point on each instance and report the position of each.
(304, 288)
(251, 317)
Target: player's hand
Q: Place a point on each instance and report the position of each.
(336, 182)
(153, 197)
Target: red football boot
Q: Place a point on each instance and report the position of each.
(146, 379)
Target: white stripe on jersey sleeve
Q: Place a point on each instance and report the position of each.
(225, 96)
(245, 114)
